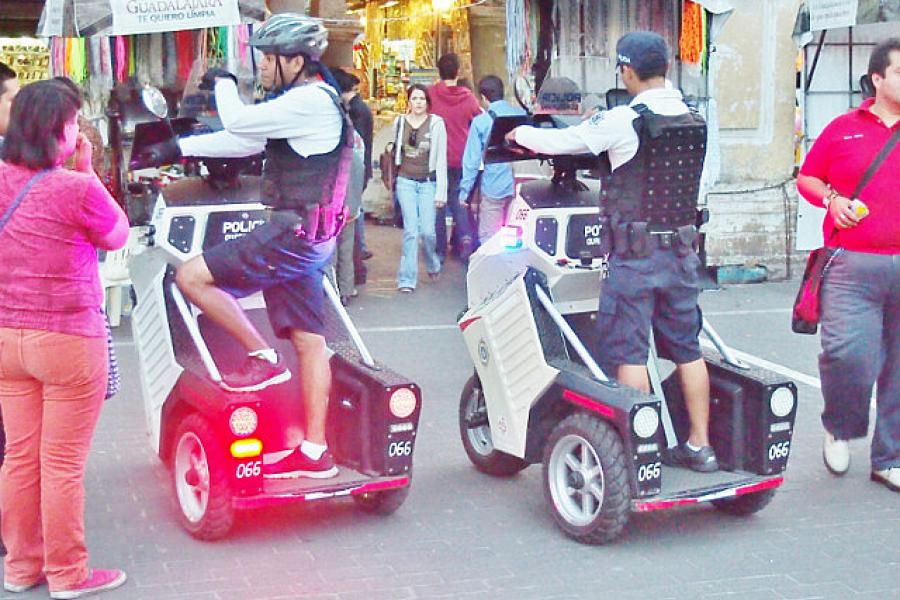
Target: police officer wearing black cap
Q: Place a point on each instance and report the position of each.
(653, 152)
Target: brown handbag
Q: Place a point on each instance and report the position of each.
(388, 167)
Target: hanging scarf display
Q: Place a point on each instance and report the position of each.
(184, 50)
(170, 60)
(161, 59)
(243, 44)
(656, 15)
(692, 43)
(154, 60)
(120, 57)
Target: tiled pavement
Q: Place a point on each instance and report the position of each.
(464, 535)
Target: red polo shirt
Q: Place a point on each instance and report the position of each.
(839, 157)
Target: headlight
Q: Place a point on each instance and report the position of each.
(646, 422)
(403, 402)
(243, 421)
(782, 402)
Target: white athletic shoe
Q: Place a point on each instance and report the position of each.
(836, 454)
(888, 477)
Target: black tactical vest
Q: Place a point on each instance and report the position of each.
(660, 185)
(292, 182)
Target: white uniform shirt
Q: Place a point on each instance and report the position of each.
(610, 131)
(304, 115)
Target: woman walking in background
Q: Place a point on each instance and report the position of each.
(53, 354)
(420, 152)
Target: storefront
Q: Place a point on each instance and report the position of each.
(29, 57)
(401, 44)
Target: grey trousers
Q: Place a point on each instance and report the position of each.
(491, 216)
(861, 346)
(342, 259)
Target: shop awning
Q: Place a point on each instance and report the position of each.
(821, 16)
(83, 18)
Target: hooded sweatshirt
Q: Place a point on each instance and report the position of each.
(457, 106)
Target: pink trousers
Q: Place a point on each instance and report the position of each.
(51, 390)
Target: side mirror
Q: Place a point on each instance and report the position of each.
(524, 91)
(155, 102)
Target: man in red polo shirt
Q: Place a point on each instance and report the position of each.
(861, 295)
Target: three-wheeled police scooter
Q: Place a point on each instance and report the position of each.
(213, 441)
(537, 394)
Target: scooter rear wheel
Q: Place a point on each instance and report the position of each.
(381, 503)
(475, 432)
(585, 480)
(200, 480)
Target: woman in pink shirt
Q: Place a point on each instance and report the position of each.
(53, 357)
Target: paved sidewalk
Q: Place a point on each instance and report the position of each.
(465, 535)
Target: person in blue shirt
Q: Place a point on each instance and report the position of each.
(496, 179)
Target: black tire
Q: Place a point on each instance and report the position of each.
(204, 506)
(588, 509)
(476, 439)
(745, 505)
(382, 503)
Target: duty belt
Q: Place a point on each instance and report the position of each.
(312, 224)
(633, 240)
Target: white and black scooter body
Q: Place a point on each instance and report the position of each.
(537, 394)
(215, 441)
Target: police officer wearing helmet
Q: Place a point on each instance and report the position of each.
(302, 128)
(654, 150)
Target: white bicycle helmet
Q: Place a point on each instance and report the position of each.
(289, 34)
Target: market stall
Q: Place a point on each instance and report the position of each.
(576, 39)
(113, 48)
(101, 43)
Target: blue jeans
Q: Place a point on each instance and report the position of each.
(861, 345)
(416, 200)
(462, 226)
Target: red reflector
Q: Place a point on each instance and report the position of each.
(662, 504)
(464, 324)
(769, 484)
(589, 403)
(377, 486)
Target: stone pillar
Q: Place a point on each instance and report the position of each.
(487, 32)
(342, 31)
(282, 6)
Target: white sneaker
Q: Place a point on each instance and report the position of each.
(836, 454)
(888, 477)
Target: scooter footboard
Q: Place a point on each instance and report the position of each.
(752, 414)
(373, 418)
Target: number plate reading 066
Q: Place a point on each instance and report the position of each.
(248, 469)
(400, 449)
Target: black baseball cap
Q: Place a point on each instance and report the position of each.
(643, 51)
